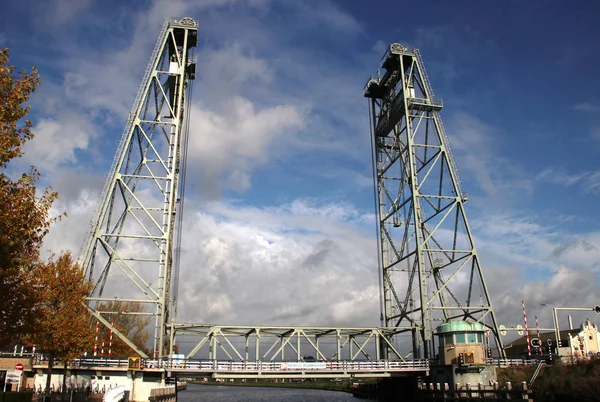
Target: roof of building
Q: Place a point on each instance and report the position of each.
(460, 326)
(544, 337)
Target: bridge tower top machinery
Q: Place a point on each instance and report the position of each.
(430, 269)
(129, 253)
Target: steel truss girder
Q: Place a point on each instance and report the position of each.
(274, 343)
(131, 238)
(423, 228)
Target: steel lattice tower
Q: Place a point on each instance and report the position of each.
(129, 255)
(430, 269)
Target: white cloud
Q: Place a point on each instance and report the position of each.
(560, 177)
(586, 107)
(61, 12)
(588, 181)
(226, 70)
(333, 16)
(57, 140)
(566, 287)
(225, 148)
(71, 231)
(526, 242)
(583, 251)
(277, 269)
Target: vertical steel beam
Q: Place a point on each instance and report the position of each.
(247, 344)
(257, 346)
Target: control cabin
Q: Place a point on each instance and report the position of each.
(461, 343)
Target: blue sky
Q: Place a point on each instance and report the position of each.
(280, 170)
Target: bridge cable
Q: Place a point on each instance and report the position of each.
(377, 215)
(183, 175)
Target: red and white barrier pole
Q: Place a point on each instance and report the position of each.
(96, 340)
(526, 329)
(110, 338)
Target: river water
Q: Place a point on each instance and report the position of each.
(219, 393)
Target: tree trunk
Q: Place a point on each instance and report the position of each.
(64, 384)
(47, 395)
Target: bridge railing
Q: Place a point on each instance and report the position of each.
(256, 366)
(503, 362)
(16, 354)
(217, 365)
(260, 366)
(99, 362)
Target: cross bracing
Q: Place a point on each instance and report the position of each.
(279, 343)
(129, 252)
(430, 268)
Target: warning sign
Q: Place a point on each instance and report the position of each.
(134, 363)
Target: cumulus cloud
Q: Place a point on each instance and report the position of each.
(285, 270)
(70, 232)
(224, 149)
(227, 69)
(57, 140)
(566, 287)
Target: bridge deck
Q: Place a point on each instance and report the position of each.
(232, 369)
(259, 369)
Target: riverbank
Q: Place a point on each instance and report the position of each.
(559, 382)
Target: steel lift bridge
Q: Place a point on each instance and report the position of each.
(130, 254)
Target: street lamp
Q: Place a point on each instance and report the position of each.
(556, 329)
(596, 309)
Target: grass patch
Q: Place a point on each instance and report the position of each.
(559, 382)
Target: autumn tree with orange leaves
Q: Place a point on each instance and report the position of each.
(24, 217)
(62, 321)
(132, 320)
(39, 301)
